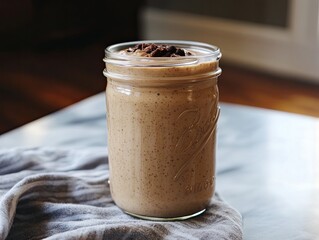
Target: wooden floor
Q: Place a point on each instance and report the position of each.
(34, 84)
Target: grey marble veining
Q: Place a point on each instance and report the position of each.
(80, 125)
(267, 161)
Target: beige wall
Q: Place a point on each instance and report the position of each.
(291, 51)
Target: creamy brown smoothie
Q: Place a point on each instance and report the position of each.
(162, 130)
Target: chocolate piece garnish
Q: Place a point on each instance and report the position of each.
(150, 48)
(153, 50)
(180, 52)
(171, 49)
(156, 53)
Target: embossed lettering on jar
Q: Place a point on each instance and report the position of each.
(162, 114)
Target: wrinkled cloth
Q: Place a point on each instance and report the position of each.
(48, 193)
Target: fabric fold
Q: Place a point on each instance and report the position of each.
(48, 193)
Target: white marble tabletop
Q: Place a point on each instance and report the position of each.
(267, 161)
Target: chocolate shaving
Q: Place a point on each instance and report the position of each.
(153, 50)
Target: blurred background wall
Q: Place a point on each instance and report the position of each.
(51, 52)
(55, 24)
(276, 36)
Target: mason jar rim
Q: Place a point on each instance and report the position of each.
(147, 71)
(208, 50)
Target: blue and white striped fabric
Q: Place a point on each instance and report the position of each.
(63, 194)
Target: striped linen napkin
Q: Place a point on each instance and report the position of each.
(48, 193)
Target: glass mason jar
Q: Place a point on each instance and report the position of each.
(161, 116)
